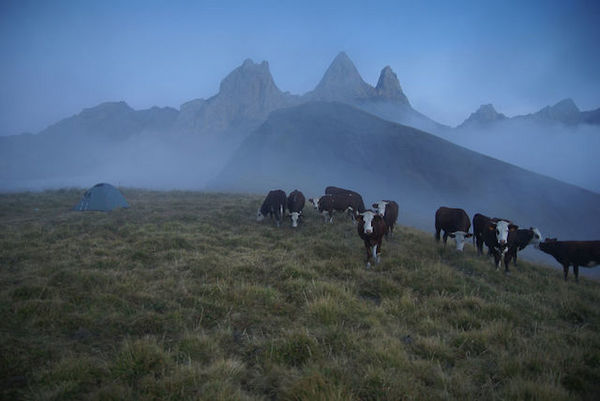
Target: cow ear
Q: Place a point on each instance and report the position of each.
(491, 227)
(513, 227)
(469, 235)
(452, 235)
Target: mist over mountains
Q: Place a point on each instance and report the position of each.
(252, 136)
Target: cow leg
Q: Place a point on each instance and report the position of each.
(378, 259)
(374, 254)
(515, 258)
(479, 246)
(437, 234)
(497, 259)
(445, 237)
(368, 249)
(566, 271)
(576, 272)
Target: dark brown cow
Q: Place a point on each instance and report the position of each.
(519, 240)
(327, 204)
(494, 234)
(273, 205)
(388, 209)
(360, 205)
(576, 253)
(295, 204)
(371, 229)
(455, 223)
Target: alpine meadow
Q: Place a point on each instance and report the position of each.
(184, 296)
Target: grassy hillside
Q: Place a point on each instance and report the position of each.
(185, 296)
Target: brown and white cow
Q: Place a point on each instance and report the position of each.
(295, 204)
(493, 232)
(519, 240)
(371, 229)
(388, 209)
(273, 206)
(327, 204)
(575, 253)
(455, 223)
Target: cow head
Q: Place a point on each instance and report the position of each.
(367, 218)
(295, 217)
(259, 215)
(537, 237)
(314, 202)
(501, 229)
(460, 237)
(380, 207)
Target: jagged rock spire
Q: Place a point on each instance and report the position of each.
(388, 86)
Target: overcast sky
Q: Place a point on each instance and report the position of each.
(61, 56)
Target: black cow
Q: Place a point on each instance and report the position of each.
(494, 234)
(388, 209)
(371, 229)
(295, 204)
(327, 204)
(360, 205)
(455, 223)
(519, 240)
(273, 205)
(576, 253)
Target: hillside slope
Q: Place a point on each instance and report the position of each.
(318, 144)
(184, 296)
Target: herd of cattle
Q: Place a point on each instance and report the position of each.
(502, 237)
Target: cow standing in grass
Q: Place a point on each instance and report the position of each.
(455, 224)
(494, 234)
(371, 229)
(388, 209)
(576, 253)
(273, 206)
(327, 204)
(519, 240)
(295, 204)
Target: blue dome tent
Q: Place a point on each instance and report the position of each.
(103, 197)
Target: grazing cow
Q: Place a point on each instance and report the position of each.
(327, 204)
(388, 209)
(519, 240)
(494, 234)
(371, 229)
(359, 204)
(273, 205)
(295, 204)
(576, 253)
(455, 223)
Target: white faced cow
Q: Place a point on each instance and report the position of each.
(388, 209)
(519, 240)
(494, 233)
(371, 229)
(295, 204)
(455, 224)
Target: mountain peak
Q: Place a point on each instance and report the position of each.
(388, 86)
(342, 81)
(565, 111)
(485, 114)
(248, 75)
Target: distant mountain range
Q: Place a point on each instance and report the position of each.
(564, 112)
(189, 147)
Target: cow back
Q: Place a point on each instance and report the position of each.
(357, 201)
(452, 219)
(295, 201)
